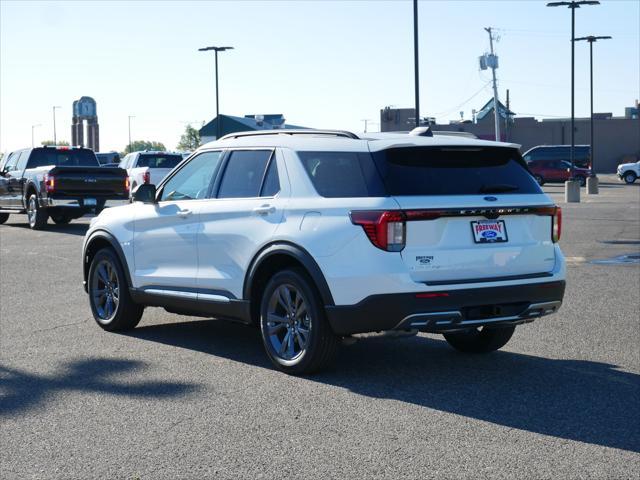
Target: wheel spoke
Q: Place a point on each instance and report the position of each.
(273, 329)
(301, 311)
(102, 274)
(108, 307)
(290, 350)
(284, 343)
(304, 335)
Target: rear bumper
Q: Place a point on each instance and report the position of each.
(453, 310)
(71, 202)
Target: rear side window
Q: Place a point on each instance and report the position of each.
(454, 171)
(342, 174)
(244, 173)
(159, 161)
(62, 158)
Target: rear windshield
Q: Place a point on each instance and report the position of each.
(41, 157)
(159, 160)
(454, 171)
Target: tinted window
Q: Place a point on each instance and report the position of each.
(158, 160)
(41, 157)
(243, 174)
(193, 180)
(271, 182)
(342, 174)
(454, 171)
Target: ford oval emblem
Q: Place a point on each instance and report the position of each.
(490, 199)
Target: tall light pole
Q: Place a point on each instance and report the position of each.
(493, 60)
(591, 39)
(33, 127)
(130, 117)
(573, 5)
(55, 142)
(216, 49)
(415, 60)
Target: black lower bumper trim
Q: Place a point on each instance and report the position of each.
(463, 308)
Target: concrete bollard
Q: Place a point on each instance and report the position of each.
(592, 186)
(572, 191)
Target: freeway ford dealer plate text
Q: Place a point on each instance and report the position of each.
(489, 231)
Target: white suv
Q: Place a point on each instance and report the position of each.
(318, 235)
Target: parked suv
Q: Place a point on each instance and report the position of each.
(318, 235)
(628, 171)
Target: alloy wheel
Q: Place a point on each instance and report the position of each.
(105, 291)
(288, 326)
(32, 211)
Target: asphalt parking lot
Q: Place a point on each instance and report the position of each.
(191, 398)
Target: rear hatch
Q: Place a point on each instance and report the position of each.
(472, 214)
(159, 164)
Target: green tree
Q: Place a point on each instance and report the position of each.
(138, 145)
(190, 139)
(62, 143)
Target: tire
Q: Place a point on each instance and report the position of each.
(482, 340)
(629, 177)
(60, 219)
(583, 181)
(288, 294)
(539, 179)
(111, 304)
(3, 218)
(36, 215)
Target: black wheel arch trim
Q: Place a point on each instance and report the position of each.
(104, 235)
(297, 253)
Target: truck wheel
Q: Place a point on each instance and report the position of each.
(539, 179)
(3, 217)
(582, 181)
(480, 340)
(59, 219)
(111, 305)
(36, 215)
(295, 331)
(629, 177)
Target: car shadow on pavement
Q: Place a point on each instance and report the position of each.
(21, 391)
(70, 228)
(571, 399)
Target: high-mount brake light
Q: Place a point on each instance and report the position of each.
(63, 148)
(556, 229)
(385, 229)
(146, 177)
(49, 182)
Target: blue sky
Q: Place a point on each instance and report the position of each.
(325, 64)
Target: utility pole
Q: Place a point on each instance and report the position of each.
(415, 60)
(508, 117)
(493, 64)
(218, 120)
(366, 122)
(591, 39)
(573, 196)
(130, 117)
(55, 141)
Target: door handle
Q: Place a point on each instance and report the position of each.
(184, 213)
(264, 210)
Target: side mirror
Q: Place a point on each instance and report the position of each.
(145, 193)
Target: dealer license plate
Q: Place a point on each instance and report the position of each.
(90, 202)
(489, 231)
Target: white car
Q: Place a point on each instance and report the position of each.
(149, 166)
(629, 171)
(318, 235)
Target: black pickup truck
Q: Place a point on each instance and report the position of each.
(58, 182)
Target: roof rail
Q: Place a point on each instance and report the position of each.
(310, 131)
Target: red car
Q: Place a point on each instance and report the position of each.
(551, 171)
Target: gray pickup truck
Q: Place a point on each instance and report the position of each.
(61, 183)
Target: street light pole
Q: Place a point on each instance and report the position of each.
(130, 117)
(55, 142)
(574, 197)
(591, 39)
(32, 129)
(415, 60)
(216, 50)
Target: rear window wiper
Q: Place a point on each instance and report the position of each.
(498, 188)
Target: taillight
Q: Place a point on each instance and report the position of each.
(126, 184)
(146, 177)
(556, 228)
(386, 229)
(49, 182)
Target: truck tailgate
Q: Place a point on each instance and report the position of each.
(97, 181)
